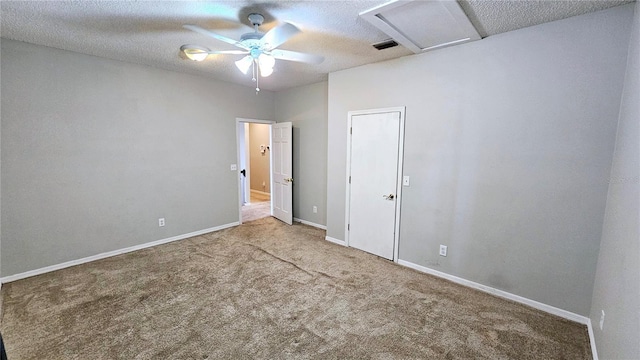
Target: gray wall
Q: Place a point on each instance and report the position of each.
(508, 143)
(259, 162)
(0, 183)
(306, 108)
(94, 151)
(617, 282)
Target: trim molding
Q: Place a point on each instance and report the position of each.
(335, 241)
(104, 255)
(500, 293)
(592, 341)
(310, 223)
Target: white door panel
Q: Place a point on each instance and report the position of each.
(282, 178)
(374, 169)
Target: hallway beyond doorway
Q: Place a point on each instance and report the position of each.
(258, 207)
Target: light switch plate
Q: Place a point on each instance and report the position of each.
(405, 181)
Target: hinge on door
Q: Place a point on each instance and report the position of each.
(348, 227)
(349, 179)
(351, 131)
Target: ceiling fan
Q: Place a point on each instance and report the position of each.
(260, 48)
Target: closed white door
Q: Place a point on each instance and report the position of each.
(374, 175)
(281, 174)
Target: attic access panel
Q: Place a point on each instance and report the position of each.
(423, 25)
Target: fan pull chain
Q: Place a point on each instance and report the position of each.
(256, 77)
(253, 70)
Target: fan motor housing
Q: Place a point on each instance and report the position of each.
(251, 43)
(251, 36)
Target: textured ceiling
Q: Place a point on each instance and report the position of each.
(151, 33)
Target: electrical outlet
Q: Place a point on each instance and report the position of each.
(234, 167)
(602, 320)
(161, 222)
(443, 250)
(405, 181)
(315, 209)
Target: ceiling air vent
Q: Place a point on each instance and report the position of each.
(385, 44)
(423, 25)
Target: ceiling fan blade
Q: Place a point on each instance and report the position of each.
(296, 56)
(229, 52)
(278, 35)
(206, 32)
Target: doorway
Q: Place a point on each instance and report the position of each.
(374, 180)
(254, 168)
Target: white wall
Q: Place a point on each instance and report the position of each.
(94, 151)
(617, 280)
(508, 143)
(306, 108)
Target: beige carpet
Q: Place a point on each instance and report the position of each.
(255, 211)
(265, 290)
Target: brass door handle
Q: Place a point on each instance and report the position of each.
(388, 197)
(288, 180)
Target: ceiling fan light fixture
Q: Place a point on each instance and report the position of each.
(261, 48)
(266, 63)
(265, 71)
(195, 52)
(244, 64)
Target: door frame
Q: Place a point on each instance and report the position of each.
(242, 129)
(350, 114)
(238, 180)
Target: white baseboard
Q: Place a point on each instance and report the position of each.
(104, 255)
(500, 293)
(335, 241)
(310, 223)
(506, 295)
(592, 340)
(260, 192)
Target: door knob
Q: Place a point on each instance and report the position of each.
(288, 179)
(388, 197)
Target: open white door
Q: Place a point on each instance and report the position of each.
(281, 174)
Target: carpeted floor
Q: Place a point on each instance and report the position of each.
(255, 211)
(265, 290)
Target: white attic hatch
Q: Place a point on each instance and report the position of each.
(421, 25)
